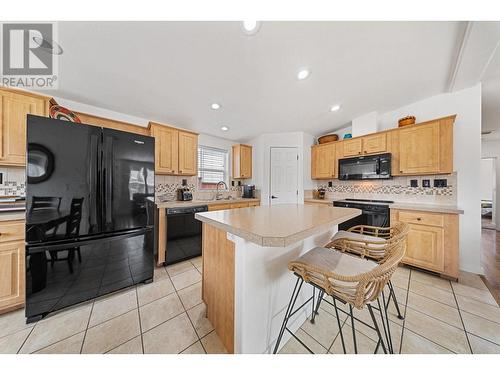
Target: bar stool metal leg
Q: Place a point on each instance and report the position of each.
(379, 334)
(340, 325)
(289, 311)
(386, 324)
(313, 305)
(320, 297)
(392, 295)
(353, 331)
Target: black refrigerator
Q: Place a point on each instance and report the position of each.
(89, 213)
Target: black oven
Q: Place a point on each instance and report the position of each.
(374, 167)
(375, 213)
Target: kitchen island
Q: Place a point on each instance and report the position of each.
(246, 282)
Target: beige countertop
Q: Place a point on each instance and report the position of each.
(322, 201)
(279, 225)
(438, 208)
(175, 204)
(12, 215)
(444, 209)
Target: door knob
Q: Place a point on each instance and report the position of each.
(273, 197)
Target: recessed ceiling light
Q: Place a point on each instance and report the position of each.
(250, 27)
(224, 128)
(303, 74)
(335, 108)
(215, 106)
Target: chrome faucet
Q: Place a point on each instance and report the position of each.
(217, 196)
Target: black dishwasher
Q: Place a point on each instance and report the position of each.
(183, 234)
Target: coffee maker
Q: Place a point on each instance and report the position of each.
(248, 191)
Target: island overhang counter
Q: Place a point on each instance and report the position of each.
(246, 283)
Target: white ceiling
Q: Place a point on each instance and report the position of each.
(172, 71)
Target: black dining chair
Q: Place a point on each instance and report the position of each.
(45, 203)
(72, 230)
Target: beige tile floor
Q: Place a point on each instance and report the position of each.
(168, 316)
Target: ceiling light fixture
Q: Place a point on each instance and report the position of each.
(224, 128)
(251, 27)
(335, 108)
(215, 106)
(303, 74)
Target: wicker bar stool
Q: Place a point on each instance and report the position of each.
(371, 243)
(348, 279)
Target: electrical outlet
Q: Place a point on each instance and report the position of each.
(239, 183)
(1, 178)
(330, 184)
(440, 182)
(414, 183)
(426, 183)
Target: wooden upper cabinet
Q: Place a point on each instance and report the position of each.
(242, 161)
(176, 150)
(419, 149)
(425, 148)
(14, 108)
(370, 144)
(166, 149)
(353, 147)
(375, 144)
(323, 160)
(188, 153)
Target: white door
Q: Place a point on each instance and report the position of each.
(284, 175)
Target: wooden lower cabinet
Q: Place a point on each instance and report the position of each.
(432, 241)
(12, 265)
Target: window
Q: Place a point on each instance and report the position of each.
(212, 167)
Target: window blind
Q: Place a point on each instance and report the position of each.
(212, 165)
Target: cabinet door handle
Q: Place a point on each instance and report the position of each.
(419, 219)
(180, 171)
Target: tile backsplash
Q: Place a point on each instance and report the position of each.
(166, 188)
(13, 181)
(397, 189)
(14, 184)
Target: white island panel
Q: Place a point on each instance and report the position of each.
(263, 288)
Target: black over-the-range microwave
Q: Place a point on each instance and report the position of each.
(373, 167)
